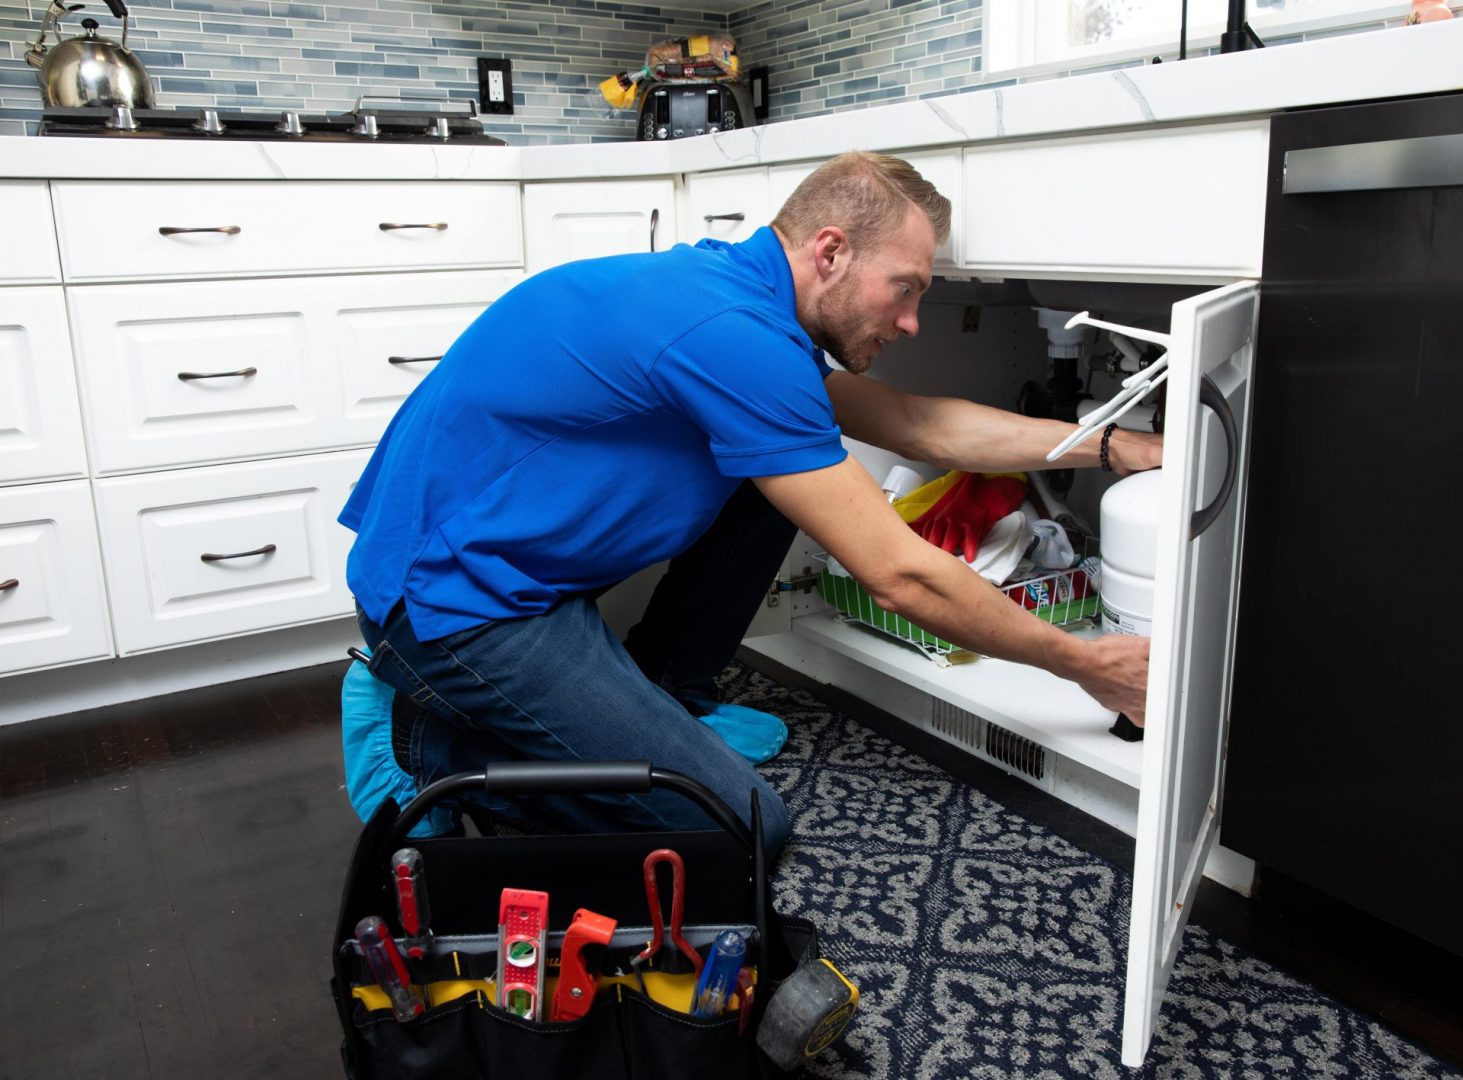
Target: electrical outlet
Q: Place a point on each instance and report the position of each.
(495, 85)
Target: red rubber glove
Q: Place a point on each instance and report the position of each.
(967, 510)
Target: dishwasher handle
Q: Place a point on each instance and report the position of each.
(1428, 161)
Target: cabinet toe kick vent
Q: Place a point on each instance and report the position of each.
(991, 742)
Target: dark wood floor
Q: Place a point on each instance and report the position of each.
(170, 870)
(169, 877)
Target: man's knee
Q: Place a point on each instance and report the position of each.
(776, 826)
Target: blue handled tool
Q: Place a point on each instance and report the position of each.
(719, 975)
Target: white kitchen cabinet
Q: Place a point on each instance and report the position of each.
(186, 373)
(270, 324)
(943, 168)
(1167, 204)
(389, 332)
(768, 189)
(1196, 599)
(52, 603)
(729, 205)
(40, 425)
(782, 180)
(1164, 791)
(119, 229)
(204, 553)
(28, 256)
(569, 220)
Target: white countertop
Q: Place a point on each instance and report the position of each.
(1378, 64)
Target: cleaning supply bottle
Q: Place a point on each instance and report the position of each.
(1428, 11)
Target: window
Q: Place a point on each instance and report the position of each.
(1078, 33)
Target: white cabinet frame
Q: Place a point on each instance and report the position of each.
(40, 424)
(53, 607)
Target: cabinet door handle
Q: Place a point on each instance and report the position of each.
(1212, 398)
(654, 221)
(411, 359)
(227, 230)
(6, 586)
(736, 216)
(389, 226)
(242, 373)
(267, 549)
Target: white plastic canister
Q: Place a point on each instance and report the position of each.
(1129, 529)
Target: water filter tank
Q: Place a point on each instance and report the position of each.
(1129, 530)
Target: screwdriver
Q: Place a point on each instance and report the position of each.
(719, 975)
(386, 964)
(411, 901)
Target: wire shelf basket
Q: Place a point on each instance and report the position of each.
(1060, 597)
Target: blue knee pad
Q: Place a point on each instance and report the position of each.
(757, 736)
(372, 774)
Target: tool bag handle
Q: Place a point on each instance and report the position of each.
(567, 778)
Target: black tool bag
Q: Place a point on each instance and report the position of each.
(626, 1034)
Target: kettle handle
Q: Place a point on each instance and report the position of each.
(1213, 399)
(117, 8)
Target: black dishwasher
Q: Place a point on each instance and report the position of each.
(1346, 740)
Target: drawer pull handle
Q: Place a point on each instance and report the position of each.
(242, 373)
(412, 359)
(654, 221)
(267, 549)
(227, 230)
(6, 586)
(388, 226)
(738, 216)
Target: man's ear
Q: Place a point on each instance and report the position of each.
(831, 253)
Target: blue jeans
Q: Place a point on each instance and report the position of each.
(558, 686)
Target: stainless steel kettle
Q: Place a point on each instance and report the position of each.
(88, 70)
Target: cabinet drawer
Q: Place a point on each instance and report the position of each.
(729, 205)
(389, 332)
(40, 424)
(206, 553)
(586, 219)
(53, 606)
(198, 372)
(28, 255)
(1176, 204)
(111, 230)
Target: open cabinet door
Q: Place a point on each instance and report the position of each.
(1194, 606)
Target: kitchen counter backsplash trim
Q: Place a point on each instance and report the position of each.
(1393, 63)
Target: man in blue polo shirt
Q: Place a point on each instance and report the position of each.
(577, 433)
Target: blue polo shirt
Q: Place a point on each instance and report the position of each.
(590, 423)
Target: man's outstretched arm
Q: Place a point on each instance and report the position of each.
(842, 508)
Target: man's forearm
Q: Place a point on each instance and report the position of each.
(963, 608)
(958, 434)
(958, 604)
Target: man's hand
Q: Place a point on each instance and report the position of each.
(1134, 451)
(1114, 670)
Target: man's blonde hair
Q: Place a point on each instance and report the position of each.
(867, 195)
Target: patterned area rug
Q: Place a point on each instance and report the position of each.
(984, 946)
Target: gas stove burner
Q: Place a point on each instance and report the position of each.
(386, 120)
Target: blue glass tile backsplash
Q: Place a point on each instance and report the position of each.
(321, 57)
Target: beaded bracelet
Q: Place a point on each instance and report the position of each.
(1102, 457)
